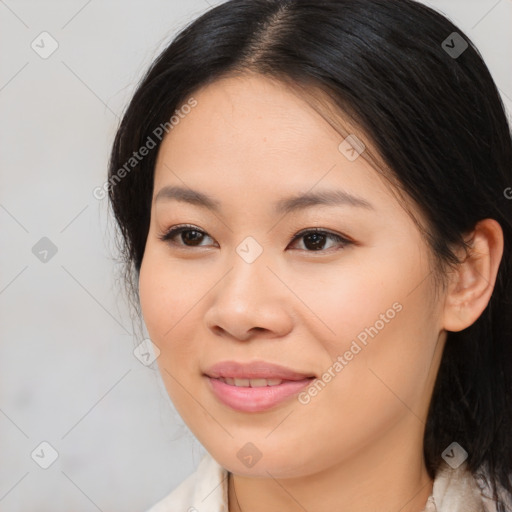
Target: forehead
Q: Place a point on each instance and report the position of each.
(255, 137)
(248, 110)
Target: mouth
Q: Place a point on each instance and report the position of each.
(254, 371)
(256, 386)
(253, 383)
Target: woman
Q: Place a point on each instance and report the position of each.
(312, 198)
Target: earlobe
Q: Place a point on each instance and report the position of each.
(473, 281)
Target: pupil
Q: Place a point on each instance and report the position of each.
(317, 240)
(192, 239)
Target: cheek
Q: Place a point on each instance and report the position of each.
(365, 293)
(377, 318)
(168, 295)
(386, 359)
(154, 296)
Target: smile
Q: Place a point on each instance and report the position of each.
(255, 395)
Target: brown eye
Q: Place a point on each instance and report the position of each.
(190, 236)
(315, 240)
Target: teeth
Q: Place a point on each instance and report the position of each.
(273, 382)
(258, 383)
(253, 383)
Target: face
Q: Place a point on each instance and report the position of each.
(322, 312)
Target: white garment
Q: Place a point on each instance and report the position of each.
(206, 490)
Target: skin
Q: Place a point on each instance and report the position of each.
(357, 445)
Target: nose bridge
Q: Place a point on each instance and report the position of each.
(248, 268)
(248, 296)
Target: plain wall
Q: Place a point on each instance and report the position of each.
(68, 373)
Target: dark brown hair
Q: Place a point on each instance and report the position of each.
(435, 118)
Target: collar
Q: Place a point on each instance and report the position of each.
(206, 490)
(455, 490)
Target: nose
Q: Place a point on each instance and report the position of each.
(250, 300)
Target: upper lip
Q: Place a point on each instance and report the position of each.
(254, 370)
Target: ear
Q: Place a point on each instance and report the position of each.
(472, 283)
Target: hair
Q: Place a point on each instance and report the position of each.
(438, 126)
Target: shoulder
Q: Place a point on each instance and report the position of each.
(458, 490)
(483, 481)
(205, 490)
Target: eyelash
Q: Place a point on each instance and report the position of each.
(177, 230)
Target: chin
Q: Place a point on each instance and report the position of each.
(278, 465)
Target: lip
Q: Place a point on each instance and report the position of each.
(254, 370)
(257, 399)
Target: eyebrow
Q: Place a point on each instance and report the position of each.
(283, 206)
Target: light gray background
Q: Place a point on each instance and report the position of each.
(68, 373)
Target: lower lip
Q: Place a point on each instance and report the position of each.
(247, 399)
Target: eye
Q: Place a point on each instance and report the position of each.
(315, 239)
(191, 236)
